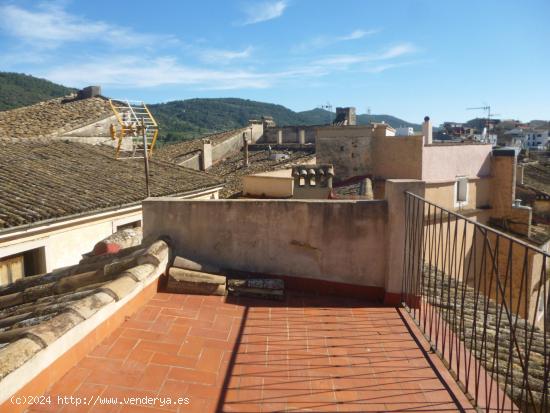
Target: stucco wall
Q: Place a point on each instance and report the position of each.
(444, 194)
(342, 241)
(277, 184)
(446, 162)
(397, 157)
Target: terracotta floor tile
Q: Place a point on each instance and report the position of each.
(308, 353)
(192, 376)
(210, 359)
(152, 378)
(174, 361)
(121, 348)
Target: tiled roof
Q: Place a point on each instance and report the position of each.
(37, 310)
(52, 117)
(232, 169)
(173, 151)
(537, 175)
(42, 180)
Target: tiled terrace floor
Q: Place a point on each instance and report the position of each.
(244, 355)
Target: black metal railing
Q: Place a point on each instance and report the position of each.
(481, 298)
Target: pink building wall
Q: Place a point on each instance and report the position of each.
(444, 162)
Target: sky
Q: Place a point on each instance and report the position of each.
(407, 58)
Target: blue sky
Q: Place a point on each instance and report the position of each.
(405, 58)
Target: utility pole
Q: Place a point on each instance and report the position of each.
(145, 156)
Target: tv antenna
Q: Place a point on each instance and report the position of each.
(327, 107)
(489, 114)
(133, 121)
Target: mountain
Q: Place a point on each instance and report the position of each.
(17, 89)
(185, 119)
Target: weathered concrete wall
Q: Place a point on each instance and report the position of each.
(395, 195)
(192, 162)
(235, 143)
(341, 241)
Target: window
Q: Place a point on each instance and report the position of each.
(14, 267)
(461, 191)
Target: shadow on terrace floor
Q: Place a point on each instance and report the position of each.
(309, 353)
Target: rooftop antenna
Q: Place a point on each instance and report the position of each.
(136, 131)
(327, 107)
(131, 117)
(489, 114)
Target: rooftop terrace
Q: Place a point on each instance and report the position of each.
(308, 353)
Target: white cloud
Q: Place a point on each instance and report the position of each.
(261, 12)
(130, 71)
(325, 41)
(357, 34)
(345, 60)
(220, 56)
(51, 26)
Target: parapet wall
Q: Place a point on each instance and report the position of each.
(235, 143)
(337, 241)
(290, 134)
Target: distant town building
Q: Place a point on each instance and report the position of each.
(526, 138)
(404, 131)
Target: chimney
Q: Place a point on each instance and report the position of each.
(427, 131)
(302, 137)
(206, 158)
(89, 92)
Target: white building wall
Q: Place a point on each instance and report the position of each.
(64, 245)
(64, 242)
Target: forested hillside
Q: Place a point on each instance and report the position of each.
(184, 119)
(17, 89)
